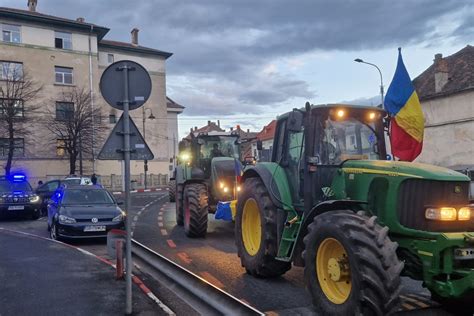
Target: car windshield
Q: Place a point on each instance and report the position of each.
(220, 146)
(9, 186)
(86, 197)
(347, 139)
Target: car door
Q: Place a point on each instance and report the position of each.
(53, 206)
(47, 190)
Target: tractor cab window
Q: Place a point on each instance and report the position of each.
(219, 146)
(339, 140)
(295, 167)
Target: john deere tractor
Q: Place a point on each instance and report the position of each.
(205, 175)
(329, 201)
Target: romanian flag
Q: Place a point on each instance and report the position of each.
(407, 121)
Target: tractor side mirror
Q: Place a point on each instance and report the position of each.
(259, 144)
(295, 121)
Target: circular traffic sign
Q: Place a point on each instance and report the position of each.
(112, 85)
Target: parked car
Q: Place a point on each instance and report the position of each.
(77, 181)
(80, 211)
(17, 198)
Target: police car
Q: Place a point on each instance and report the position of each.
(17, 198)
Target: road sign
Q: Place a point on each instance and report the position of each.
(113, 147)
(112, 85)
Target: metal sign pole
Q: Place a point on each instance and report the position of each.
(126, 156)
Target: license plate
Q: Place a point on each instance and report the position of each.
(94, 229)
(16, 207)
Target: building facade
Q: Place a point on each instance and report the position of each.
(446, 92)
(64, 55)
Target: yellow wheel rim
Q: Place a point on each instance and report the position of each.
(333, 271)
(251, 228)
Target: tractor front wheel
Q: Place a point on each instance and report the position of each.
(196, 210)
(256, 231)
(351, 266)
(172, 190)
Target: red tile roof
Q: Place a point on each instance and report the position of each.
(268, 131)
(460, 69)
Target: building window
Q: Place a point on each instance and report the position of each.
(64, 111)
(18, 147)
(11, 33)
(112, 119)
(62, 40)
(63, 75)
(60, 147)
(11, 70)
(110, 58)
(12, 108)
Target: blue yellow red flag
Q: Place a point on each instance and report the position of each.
(407, 120)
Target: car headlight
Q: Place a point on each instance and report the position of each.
(119, 218)
(63, 219)
(34, 198)
(441, 213)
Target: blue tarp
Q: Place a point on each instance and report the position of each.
(223, 211)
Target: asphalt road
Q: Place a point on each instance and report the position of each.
(214, 258)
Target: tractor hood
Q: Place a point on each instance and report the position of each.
(403, 169)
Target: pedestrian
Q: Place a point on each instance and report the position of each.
(94, 179)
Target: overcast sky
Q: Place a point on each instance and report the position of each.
(244, 62)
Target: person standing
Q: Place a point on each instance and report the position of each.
(94, 179)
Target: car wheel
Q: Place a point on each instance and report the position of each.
(53, 232)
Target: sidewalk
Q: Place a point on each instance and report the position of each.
(43, 277)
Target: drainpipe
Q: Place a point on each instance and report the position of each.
(92, 98)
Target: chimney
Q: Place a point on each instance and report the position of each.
(80, 19)
(218, 123)
(441, 72)
(208, 123)
(134, 33)
(191, 129)
(32, 5)
(248, 130)
(195, 128)
(231, 128)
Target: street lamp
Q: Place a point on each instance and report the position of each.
(151, 117)
(358, 60)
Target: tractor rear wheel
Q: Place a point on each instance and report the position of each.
(179, 205)
(196, 210)
(172, 190)
(256, 231)
(351, 266)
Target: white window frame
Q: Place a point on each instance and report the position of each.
(59, 70)
(11, 70)
(11, 29)
(66, 37)
(110, 58)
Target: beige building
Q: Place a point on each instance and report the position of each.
(63, 54)
(446, 92)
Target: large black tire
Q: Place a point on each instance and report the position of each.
(179, 205)
(370, 259)
(258, 259)
(196, 209)
(172, 190)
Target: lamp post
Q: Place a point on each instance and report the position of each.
(358, 60)
(151, 117)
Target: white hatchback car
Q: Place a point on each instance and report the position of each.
(77, 181)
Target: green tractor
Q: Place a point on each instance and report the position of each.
(205, 175)
(331, 202)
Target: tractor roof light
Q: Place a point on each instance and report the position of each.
(441, 213)
(340, 113)
(372, 116)
(464, 214)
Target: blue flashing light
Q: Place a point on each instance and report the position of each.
(17, 192)
(19, 177)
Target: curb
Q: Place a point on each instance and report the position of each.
(135, 279)
(140, 191)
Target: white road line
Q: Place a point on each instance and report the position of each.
(160, 218)
(164, 232)
(160, 224)
(165, 308)
(135, 218)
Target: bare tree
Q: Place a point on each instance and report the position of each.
(76, 125)
(17, 91)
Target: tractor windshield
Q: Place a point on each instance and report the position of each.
(347, 139)
(220, 146)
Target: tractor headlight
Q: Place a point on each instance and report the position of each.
(239, 188)
(464, 214)
(225, 189)
(221, 185)
(185, 157)
(441, 213)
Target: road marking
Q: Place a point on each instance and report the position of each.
(160, 224)
(184, 257)
(160, 218)
(164, 232)
(270, 313)
(171, 243)
(135, 218)
(407, 306)
(416, 302)
(150, 294)
(211, 279)
(139, 213)
(160, 213)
